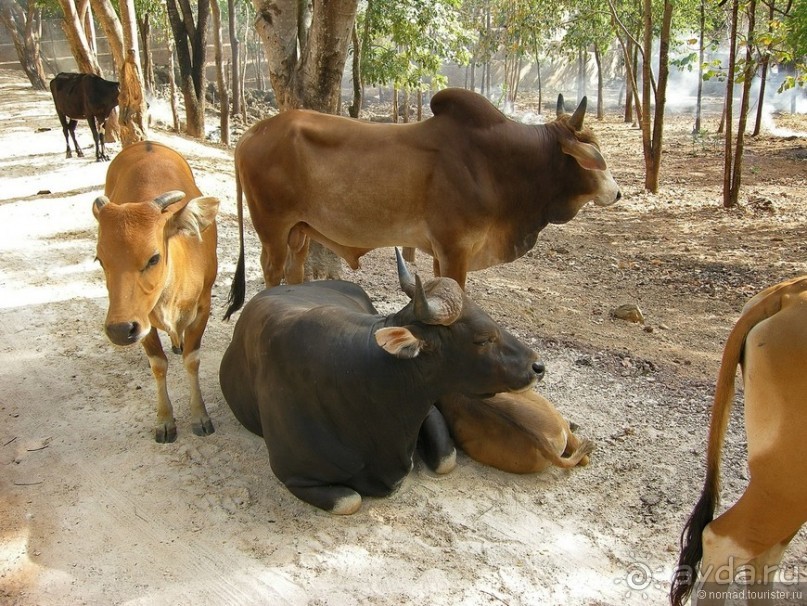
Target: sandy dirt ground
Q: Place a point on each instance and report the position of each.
(93, 511)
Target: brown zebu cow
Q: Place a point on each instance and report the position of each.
(769, 341)
(516, 432)
(157, 245)
(468, 186)
(84, 96)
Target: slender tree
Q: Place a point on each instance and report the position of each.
(224, 96)
(131, 101)
(235, 54)
(74, 32)
(190, 39)
(653, 91)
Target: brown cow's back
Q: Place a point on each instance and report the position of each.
(144, 170)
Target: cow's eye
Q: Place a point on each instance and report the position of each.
(483, 340)
(153, 261)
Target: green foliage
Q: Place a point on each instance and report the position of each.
(588, 24)
(410, 40)
(797, 29)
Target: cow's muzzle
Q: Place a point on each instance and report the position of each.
(124, 333)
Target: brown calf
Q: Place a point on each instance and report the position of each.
(157, 246)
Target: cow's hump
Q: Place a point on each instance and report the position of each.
(466, 107)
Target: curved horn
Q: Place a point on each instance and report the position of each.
(168, 198)
(443, 305)
(561, 109)
(577, 117)
(404, 276)
(423, 311)
(99, 203)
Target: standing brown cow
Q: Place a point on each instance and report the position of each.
(157, 246)
(468, 186)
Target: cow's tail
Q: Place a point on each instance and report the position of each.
(239, 285)
(762, 306)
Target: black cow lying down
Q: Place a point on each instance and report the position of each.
(339, 392)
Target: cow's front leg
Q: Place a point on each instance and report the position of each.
(72, 129)
(200, 421)
(165, 429)
(435, 443)
(333, 498)
(451, 263)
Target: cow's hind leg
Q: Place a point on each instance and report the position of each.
(273, 257)
(435, 443)
(201, 425)
(99, 147)
(747, 541)
(298, 252)
(165, 429)
(335, 499)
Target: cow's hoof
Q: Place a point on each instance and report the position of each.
(447, 464)
(164, 434)
(205, 428)
(347, 505)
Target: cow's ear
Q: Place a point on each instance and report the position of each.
(586, 154)
(398, 341)
(195, 217)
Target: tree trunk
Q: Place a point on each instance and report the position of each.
(25, 30)
(144, 25)
(191, 46)
(224, 100)
(113, 31)
(600, 104)
(652, 135)
(699, 102)
(355, 108)
(766, 58)
(736, 176)
(652, 179)
(728, 160)
(581, 73)
(540, 85)
(629, 82)
(86, 60)
(235, 50)
(87, 23)
(395, 110)
(172, 85)
(313, 78)
(131, 101)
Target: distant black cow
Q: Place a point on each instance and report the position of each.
(84, 96)
(339, 392)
